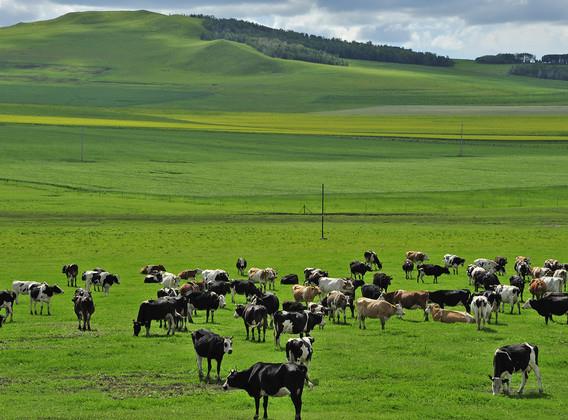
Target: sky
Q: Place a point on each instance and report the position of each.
(457, 28)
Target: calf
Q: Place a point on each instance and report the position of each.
(337, 303)
(152, 268)
(289, 279)
(382, 280)
(7, 298)
(481, 309)
(205, 301)
(212, 347)
(451, 298)
(244, 287)
(548, 306)
(514, 358)
(23, 287)
(254, 316)
(71, 271)
(270, 379)
(372, 259)
(84, 307)
(518, 282)
(300, 351)
(295, 323)
(453, 261)
(358, 268)
(270, 301)
(450, 317)
(408, 268)
(431, 270)
(241, 265)
(43, 293)
(381, 309)
(510, 295)
(305, 293)
(417, 257)
(155, 310)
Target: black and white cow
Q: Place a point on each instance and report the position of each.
(311, 274)
(99, 279)
(300, 352)
(23, 287)
(408, 268)
(517, 281)
(549, 305)
(289, 279)
(488, 280)
(222, 288)
(7, 299)
(270, 380)
(494, 300)
(453, 261)
(270, 301)
(514, 358)
(451, 298)
(211, 346)
(431, 270)
(153, 278)
(155, 310)
(71, 271)
(84, 307)
(244, 287)
(205, 301)
(241, 265)
(358, 268)
(167, 292)
(372, 259)
(523, 269)
(510, 295)
(43, 293)
(254, 316)
(295, 323)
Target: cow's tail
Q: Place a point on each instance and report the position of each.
(535, 348)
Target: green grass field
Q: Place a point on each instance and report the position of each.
(125, 140)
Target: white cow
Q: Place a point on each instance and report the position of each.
(563, 274)
(209, 276)
(23, 287)
(169, 280)
(329, 284)
(553, 284)
(489, 265)
(481, 310)
(510, 295)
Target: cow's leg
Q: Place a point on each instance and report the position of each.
(200, 366)
(48, 307)
(247, 328)
(31, 312)
(257, 406)
(219, 371)
(252, 331)
(297, 400)
(208, 378)
(263, 332)
(148, 328)
(207, 316)
(524, 377)
(232, 295)
(265, 406)
(382, 323)
(536, 370)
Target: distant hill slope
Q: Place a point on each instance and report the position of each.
(143, 60)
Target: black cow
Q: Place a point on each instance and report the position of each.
(205, 301)
(431, 270)
(371, 291)
(517, 281)
(182, 311)
(155, 310)
(270, 380)
(318, 272)
(2, 319)
(289, 279)
(241, 265)
(244, 287)
(514, 358)
(211, 346)
(7, 298)
(408, 268)
(372, 259)
(254, 316)
(382, 280)
(291, 306)
(71, 271)
(501, 262)
(270, 301)
(454, 262)
(548, 306)
(359, 268)
(295, 323)
(487, 280)
(43, 293)
(220, 287)
(523, 269)
(84, 307)
(451, 298)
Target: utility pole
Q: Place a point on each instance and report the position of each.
(322, 209)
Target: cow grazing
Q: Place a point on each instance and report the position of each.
(155, 310)
(205, 301)
(152, 268)
(431, 270)
(211, 346)
(408, 268)
(372, 259)
(451, 260)
(449, 317)
(518, 282)
(100, 279)
(300, 352)
(382, 281)
(337, 303)
(417, 257)
(548, 306)
(270, 380)
(409, 299)
(522, 268)
(71, 271)
(481, 309)
(241, 265)
(305, 293)
(537, 288)
(381, 309)
(254, 316)
(295, 323)
(270, 301)
(84, 307)
(510, 295)
(43, 293)
(328, 284)
(190, 274)
(489, 265)
(289, 279)
(7, 299)
(23, 287)
(243, 287)
(445, 298)
(358, 268)
(514, 358)
(290, 306)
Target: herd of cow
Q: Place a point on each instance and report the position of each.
(176, 305)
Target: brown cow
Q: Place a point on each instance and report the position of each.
(305, 293)
(189, 274)
(417, 257)
(409, 300)
(537, 288)
(152, 268)
(191, 287)
(538, 272)
(376, 308)
(450, 317)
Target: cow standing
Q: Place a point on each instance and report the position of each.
(408, 268)
(295, 323)
(381, 309)
(84, 307)
(514, 358)
(212, 347)
(155, 310)
(71, 271)
(453, 261)
(300, 352)
(7, 299)
(43, 293)
(372, 259)
(548, 306)
(23, 287)
(358, 268)
(254, 316)
(431, 270)
(241, 265)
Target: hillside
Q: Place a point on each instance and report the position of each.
(146, 60)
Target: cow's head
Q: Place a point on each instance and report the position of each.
(228, 345)
(239, 310)
(137, 327)
(222, 301)
(498, 382)
(64, 269)
(399, 311)
(57, 290)
(445, 270)
(235, 380)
